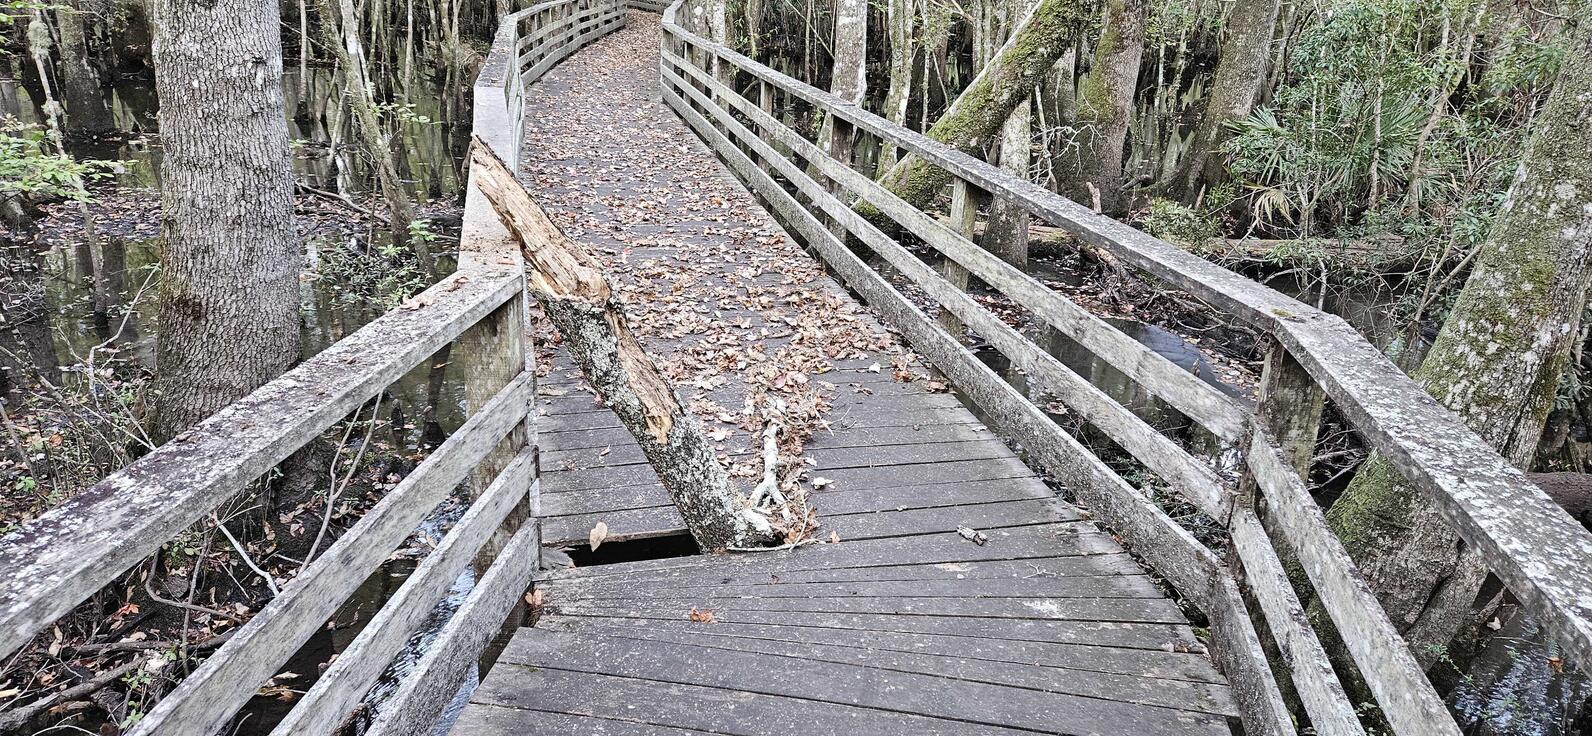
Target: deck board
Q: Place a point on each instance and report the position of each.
(894, 623)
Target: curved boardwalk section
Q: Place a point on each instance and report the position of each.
(900, 626)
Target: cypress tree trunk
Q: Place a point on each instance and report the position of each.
(1105, 103)
(901, 19)
(230, 260)
(350, 54)
(86, 111)
(1240, 74)
(979, 112)
(1497, 363)
(1007, 233)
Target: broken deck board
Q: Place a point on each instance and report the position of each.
(895, 623)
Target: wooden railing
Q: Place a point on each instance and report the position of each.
(52, 564)
(1541, 554)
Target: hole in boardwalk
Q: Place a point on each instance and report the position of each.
(634, 550)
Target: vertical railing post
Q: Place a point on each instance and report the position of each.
(1290, 405)
(964, 216)
(765, 102)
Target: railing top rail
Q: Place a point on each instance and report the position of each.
(56, 561)
(1525, 538)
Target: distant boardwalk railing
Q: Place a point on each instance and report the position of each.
(54, 563)
(1540, 553)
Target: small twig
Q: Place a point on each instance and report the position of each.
(144, 646)
(149, 588)
(337, 488)
(16, 719)
(247, 560)
(337, 198)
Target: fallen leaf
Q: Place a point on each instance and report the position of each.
(703, 616)
(598, 534)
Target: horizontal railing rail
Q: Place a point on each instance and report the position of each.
(55, 562)
(734, 103)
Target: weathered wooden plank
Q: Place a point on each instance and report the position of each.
(833, 682)
(1153, 636)
(335, 693)
(413, 707)
(206, 699)
(699, 709)
(1525, 538)
(946, 586)
(54, 562)
(1160, 664)
(1178, 694)
(1129, 610)
(1322, 695)
(1190, 478)
(1115, 565)
(485, 719)
(588, 444)
(831, 502)
(1401, 688)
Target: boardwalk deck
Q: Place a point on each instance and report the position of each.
(901, 626)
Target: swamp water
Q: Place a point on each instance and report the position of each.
(72, 322)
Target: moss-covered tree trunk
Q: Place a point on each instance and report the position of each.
(977, 115)
(1497, 363)
(1240, 74)
(1105, 104)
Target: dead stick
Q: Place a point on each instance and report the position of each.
(576, 295)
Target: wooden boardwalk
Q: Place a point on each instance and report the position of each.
(902, 625)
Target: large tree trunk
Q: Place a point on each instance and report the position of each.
(230, 261)
(1007, 234)
(86, 111)
(1105, 104)
(1497, 363)
(1240, 74)
(575, 293)
(979, 112)
(850, 80)
(901, 19)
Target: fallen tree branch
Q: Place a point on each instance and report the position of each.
(15, 720)
(574, 292)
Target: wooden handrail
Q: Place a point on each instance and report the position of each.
(54, 562)
(1533, 546)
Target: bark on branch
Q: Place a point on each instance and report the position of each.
(575, 293)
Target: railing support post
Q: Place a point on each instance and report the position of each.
(964, 215)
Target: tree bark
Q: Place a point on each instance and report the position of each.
(1497, 363)
(1007, 234)
(1105, 103)
(86, 111)
(573, 290)
(979, 112)
(1240, 74)
(901, 19)
(230, 260)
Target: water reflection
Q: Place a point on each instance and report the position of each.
(430, 151)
